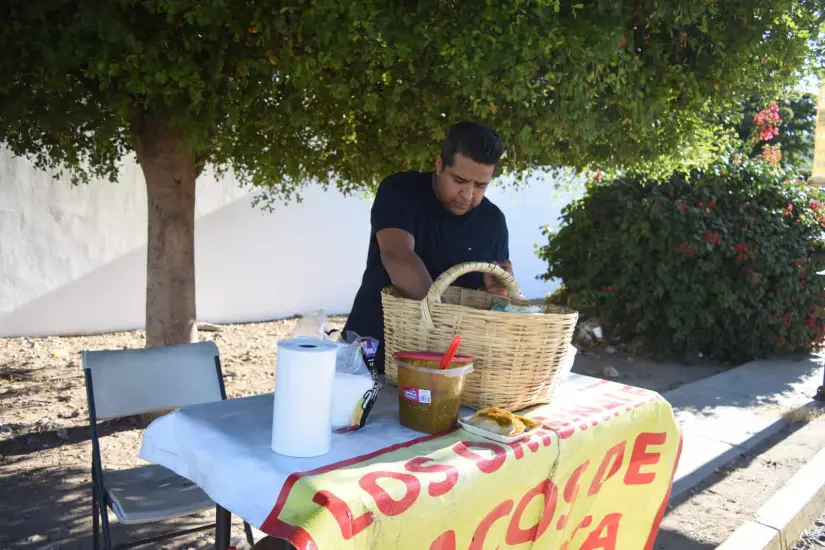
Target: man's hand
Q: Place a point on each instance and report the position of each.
(492, 285)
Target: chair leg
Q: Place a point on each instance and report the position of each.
(223, 527)
(95, 520)
(247, 529)
(104, 515)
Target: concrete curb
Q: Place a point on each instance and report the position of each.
(791, 510)
(726, 415)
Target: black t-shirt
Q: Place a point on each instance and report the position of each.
(407, 201)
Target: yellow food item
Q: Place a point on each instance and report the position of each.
(502, 422)
(497, 421)
(529, 423)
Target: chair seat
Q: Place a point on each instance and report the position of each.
(153, 493)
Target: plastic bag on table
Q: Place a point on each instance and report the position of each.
(513, 308)
(314, 325)
(564, 370)
(356, 386)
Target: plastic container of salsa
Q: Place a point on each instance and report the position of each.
(429, 398)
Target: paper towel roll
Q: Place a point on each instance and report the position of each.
(302, 414)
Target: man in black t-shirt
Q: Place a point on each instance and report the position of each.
(423, 223)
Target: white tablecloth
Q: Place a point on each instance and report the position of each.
(224, 447)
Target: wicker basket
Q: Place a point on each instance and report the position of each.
(515, 355)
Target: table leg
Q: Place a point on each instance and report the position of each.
(270, 543)
(223, 527)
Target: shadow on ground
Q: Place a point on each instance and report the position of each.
(30, 442)
(50, 507)
(775, 383)
(669, 539)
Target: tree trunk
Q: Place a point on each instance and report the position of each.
(169, 169)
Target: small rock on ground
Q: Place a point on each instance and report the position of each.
(209, 327)
(813, 538)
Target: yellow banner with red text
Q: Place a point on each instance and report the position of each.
(597, 476)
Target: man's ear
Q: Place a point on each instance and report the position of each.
(438, 165)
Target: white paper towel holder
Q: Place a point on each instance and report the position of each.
(309, 380)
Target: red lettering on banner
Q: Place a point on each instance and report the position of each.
(583, 524)
(640, 457)
(343, 515)
(563, 428)
(614, 459)
(446, 541)
(518, 452)
(515, 534)
(385, 503)
(627, 398)
(534, 446)
(486, 465)
(596, 540)
(571, 489)
(500, 511)
(622, 394)
(635, 391)
(614, 402)
(546, 437)
(436, 488)
(580, 412)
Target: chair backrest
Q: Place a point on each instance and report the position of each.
(136, 381)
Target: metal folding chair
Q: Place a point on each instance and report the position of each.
(128, 382)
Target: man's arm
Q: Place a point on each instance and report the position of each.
(491, 284)
(406, 270)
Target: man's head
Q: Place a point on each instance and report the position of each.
(468, 159)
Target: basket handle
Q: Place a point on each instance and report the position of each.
(443, 282)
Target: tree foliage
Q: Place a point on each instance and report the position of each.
(290, 92)
(294, 91)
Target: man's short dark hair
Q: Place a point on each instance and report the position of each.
(474, 141)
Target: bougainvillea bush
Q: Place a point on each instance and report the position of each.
(721, 262)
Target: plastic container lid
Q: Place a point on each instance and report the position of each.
(430, 356)
(451, 372)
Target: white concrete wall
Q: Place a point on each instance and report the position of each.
(72, 259)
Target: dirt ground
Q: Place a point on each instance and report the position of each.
(45, 448)
(706, 516)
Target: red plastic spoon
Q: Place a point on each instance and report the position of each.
(450, 353)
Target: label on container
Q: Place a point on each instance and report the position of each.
(417, 395)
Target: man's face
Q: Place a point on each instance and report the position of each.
(461, 186)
